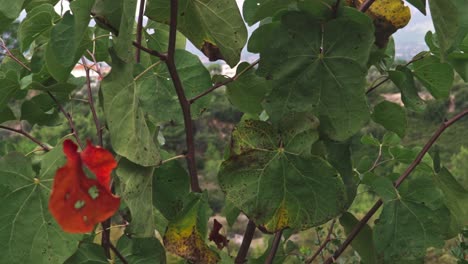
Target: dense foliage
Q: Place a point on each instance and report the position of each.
(290, 162)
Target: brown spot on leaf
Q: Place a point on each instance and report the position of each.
(211, 51)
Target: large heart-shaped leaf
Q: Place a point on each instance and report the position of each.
(29, 234)
(214, 27)
(130, 135)
(314, 70)
(275, 182)
(413, 219)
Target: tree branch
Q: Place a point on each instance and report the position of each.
(244, 248)
(25, 134)
(155, 53)
(91, 103)
(397, 183)
(274, 247)
(324, 244)
(184, 103)
(217, 85)
(105, 237)
(9, 54)
(69, 119)
(118, 254)
(139, 29)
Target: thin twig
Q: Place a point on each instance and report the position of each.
(366, 5)
(336, 7)
(388, 77)
(274, 247)
(98, 69)
(118, 254)
(352, 235)
(27, 135)
(9, 54)
(139, 30)
(377, 160)
(241, 257)
(184, 103)
(68, 117)
(324, 244)
(217, 85)
(91, 103)
(155, 53)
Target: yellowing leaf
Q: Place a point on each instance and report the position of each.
(185, 235)
(388, 17)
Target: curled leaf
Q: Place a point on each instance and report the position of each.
(78, 202)
(220, 240)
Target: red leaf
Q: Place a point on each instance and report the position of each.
(77, 202)
(220, 240)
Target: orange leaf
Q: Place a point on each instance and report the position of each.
(77, 202)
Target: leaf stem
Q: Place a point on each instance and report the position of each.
(27, 135)
(366, 5)
(173, 158)
(91, 103)
(246, 241)
(397, 183)
(324, 243)
(217, 85)
(139, 29)
(146, 70)
(274, 247)
(184, 103)
(69, 118)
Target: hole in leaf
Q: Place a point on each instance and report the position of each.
(79, 204)
(93, 192)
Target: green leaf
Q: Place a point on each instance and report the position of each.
(109, 11)
(277, 188)
(68, 40)
(159, 39)
(40, 110)
(157, 92)
(9, 11)
(450, 22)
(6, 114)
(459, 61)
(88, 253)
(363, 243)
(339, 156)
(435, 76)
(407, 225)
(456, 198)
(130, 135)
(370, 140)
(329, 81)
(123, 42)
(247, 92)
(185, 235)
(102, 43)
(214, 27)
(141, 250)
(38, 21)
(419, 4)
(171, 186)
(256, 10)
(136, 184)
(31, 4)
(29, 234)
(10, 87)
(391, 116)
(403, 78)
